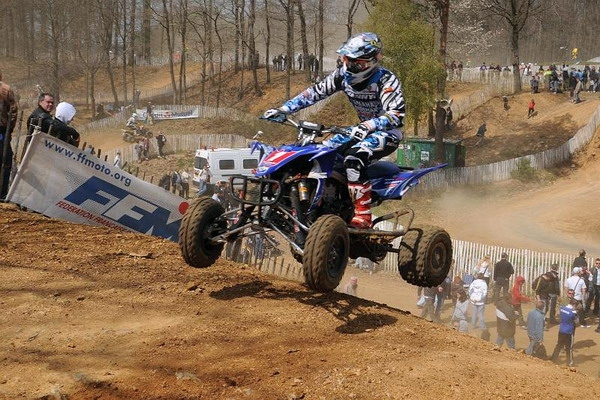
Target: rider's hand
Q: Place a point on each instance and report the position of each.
(272, 113)
(358, 132)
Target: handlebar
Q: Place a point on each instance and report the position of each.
(306, 127)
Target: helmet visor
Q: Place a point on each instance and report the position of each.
(356, 65)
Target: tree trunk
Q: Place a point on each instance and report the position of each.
(254, 54)
(147, 30)
(268, 43)
(304, 41)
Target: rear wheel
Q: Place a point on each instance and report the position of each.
(425, 256)
(199, 225)
(325, 253)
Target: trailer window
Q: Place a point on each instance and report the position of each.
(249, 163)
(226, 164)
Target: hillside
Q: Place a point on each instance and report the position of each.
(120, 316)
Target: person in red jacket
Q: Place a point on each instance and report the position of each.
(531, 110)
(518, 298)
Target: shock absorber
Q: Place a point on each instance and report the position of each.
(303, 192)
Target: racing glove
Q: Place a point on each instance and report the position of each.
(271, 113)
(358, 132)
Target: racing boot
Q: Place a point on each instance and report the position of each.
(361, 198)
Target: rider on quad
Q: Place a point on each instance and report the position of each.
(132, 121)
(376, 94)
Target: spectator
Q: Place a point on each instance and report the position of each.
(351, 286)
(139, 151)
(8, 120)
(506, 320)
(40, 116)
(220, 194)
(477, 295)
(448, 118)
(531, 109)
(456, 286)
(542, 286)
(460, 315)
(149, 114)
(576, 284)
(535, 84)
(160, 142)
(580, 260)
(503, 270)
(65, 112)
(484, 266)
(117, 160)
(429, 306)
(175, 182)
(204, 179)
(165, 181)
(480, 133)
(553, 294)
(566, 332)
(517, 298)
(594, 293)
(535, 328)
(185, 184)
(136, 97)
(145, 148)
(440, 296)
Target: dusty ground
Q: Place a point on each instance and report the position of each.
(86, 316)
(89, 313)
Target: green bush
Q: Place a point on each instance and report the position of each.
(524, 171)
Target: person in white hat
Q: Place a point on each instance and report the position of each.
(576, 283)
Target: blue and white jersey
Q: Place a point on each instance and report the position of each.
(378, 101)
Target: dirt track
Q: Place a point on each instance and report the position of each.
(86, 316)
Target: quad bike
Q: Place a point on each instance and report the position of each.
(300, 192)
(133, 134)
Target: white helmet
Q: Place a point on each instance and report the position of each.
(360, 56)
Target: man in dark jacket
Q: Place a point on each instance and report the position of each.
(553, 294)
(503, 270)
(506, 320)
(41, 115)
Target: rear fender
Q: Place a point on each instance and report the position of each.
(396, 186)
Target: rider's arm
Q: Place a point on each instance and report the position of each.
(320, 91)
(392, 100)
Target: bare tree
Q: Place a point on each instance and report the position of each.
(288, 6)
(304, 40)
(267, 42)
(252, 48)
(353, 6)
(516, 14)
(164, 19)
(147, 29)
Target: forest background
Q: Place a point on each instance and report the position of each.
(60, 39)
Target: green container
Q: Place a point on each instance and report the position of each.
(420, 153)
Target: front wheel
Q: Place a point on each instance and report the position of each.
(325, 253)
(199, 225)
(425, 256)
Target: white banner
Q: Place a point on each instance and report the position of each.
(61, 181)
(193, 112)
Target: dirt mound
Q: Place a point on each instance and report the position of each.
(120, 316)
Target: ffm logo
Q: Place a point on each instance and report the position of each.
(119, 205)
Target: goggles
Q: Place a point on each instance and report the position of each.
(358, 64)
